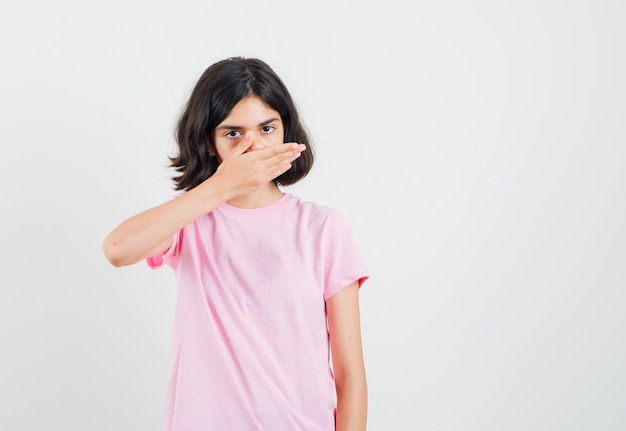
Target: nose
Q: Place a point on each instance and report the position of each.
(256, 142)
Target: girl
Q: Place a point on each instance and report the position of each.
(267, 283)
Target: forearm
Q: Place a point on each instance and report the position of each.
(351, 403)
(139, 236)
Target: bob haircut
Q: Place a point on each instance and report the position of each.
(218, 90)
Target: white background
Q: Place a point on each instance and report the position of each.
(478, 150)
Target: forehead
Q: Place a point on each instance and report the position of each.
(250, 109)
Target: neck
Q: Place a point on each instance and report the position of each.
(262, 197)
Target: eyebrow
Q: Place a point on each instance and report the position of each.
(261, 124)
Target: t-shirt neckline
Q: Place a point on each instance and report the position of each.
(260, 210)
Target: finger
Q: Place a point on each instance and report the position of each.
(243, 145)
(278, 169)
(285, 150)
(282, 161)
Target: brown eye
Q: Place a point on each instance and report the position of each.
(268, 129)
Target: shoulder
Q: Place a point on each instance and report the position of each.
(324, 218)
(319, 212)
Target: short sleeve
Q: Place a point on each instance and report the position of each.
(168, 256)
(343, 261)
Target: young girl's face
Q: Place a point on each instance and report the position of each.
(250, 116)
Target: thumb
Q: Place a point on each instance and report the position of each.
(243, 145)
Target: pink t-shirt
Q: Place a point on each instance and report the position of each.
(250, 348)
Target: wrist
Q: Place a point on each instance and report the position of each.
(215, 191)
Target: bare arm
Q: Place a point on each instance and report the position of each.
(345, 341)
(150, 232)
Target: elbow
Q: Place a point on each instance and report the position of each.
(353, 380)
(113, 252)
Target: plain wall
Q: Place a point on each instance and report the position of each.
(478, 150)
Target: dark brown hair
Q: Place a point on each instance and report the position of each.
(218, 90)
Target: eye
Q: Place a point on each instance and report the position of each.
(233, 134)
(268, 129)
